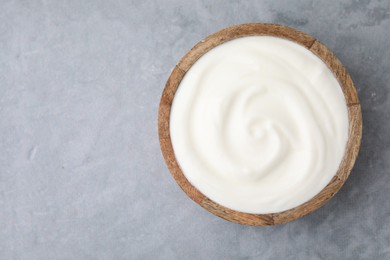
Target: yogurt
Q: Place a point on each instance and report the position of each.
(259, 124)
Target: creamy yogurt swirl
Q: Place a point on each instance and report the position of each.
(259, 124)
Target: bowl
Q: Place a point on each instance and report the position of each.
(340, 73)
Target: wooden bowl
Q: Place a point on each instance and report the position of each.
(354, 115)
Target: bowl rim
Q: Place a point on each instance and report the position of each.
(313, 45)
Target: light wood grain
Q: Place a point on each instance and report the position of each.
(354, 114)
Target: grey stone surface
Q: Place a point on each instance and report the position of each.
(81, 172)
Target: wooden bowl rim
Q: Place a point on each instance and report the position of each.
(334, 64)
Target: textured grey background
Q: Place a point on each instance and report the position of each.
(81, 172)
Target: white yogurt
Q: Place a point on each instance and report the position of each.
(259, 124)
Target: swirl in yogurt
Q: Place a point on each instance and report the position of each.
(259, 124)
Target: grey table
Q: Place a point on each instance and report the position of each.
(81, 172)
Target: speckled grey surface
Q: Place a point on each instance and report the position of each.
(81, 172)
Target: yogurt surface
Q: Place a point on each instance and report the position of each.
(259, 124)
